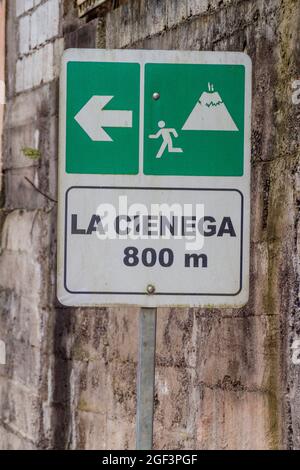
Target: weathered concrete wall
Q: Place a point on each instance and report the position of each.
(224, 378)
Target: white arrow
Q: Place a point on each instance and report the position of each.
(92, 118)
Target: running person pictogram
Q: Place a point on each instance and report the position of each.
(166, 134)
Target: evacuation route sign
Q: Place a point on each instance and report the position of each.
(154, 178)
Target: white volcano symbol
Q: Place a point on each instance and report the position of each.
(210, 114)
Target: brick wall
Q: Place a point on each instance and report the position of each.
(39, 45)
(224, 378)
(34, 45)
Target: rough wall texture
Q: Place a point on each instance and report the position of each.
(224, 378)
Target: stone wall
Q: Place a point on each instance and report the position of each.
(224, 378)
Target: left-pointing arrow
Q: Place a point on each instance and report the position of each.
(92, 118)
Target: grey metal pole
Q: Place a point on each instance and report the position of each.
(146, 378)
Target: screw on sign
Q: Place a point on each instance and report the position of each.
(154, 183)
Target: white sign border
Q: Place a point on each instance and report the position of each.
(67, 180)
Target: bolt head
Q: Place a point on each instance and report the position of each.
(156, 96)
(150, 289)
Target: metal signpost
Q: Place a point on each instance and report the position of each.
(154, 181)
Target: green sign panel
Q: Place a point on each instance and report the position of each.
(193, 119)
(204, 105)
(94, 144)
